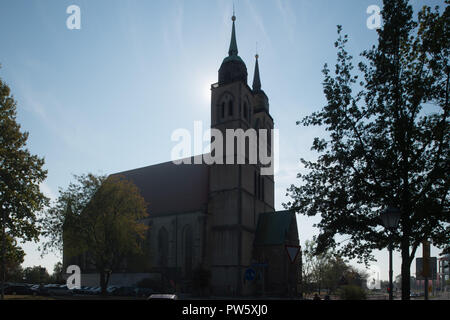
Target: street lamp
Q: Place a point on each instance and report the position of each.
(390, 218)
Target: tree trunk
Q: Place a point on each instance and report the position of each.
(103, 282)
(406, 272)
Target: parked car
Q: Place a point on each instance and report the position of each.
(125, 292)
(97, 290)
(36, 289)
(111, 289)
(59, 290)
(81, 290)
(19, 289)
(144, 292)
(163, 297)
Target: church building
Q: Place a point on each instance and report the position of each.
(219, 217)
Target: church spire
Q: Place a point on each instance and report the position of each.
(232, 68)
(233, 51)
(256, 79)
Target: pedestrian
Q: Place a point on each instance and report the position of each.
(316, 297)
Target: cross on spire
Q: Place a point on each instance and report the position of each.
(256, 78)
(233, 51)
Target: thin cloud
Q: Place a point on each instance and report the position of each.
(173, 30)
(288, 17)
(258, 19)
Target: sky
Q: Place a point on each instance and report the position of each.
(106, 98)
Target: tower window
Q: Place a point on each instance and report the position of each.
(222, 110)
(245, 111)
(230, 108)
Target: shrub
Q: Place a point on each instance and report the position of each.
(351, 292)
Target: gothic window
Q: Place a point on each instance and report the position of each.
(222, 110)
(188, 250)
(230, 108)
(245, 111)
(163, 247)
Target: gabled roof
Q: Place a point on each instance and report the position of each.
(273, 227)
(170, 188)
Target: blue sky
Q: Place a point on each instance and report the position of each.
(106, 98)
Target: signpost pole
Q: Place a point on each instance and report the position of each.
(391, 294)
(426, 265)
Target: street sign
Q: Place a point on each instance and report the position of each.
(432, 267)
(249, 274)
(292, 252)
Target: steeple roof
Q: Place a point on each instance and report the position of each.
(256, 78)
(233, 51)
(233, 67)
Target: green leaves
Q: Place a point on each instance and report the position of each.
(99, 216)
(20, 174)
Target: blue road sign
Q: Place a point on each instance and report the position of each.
(250, 274)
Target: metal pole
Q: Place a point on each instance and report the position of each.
(3, 253)
(390, 273)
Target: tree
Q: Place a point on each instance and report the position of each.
(99, 217)
(36, 275)
(20, 176)
(322, 270)
(57, 275)
(13, 259)
(334, 273)
(314, 266)
(388, 142)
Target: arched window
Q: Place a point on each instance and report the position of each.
(163, 247)
(245, 111)
(230, 108)
(188, 242)
(222, 110)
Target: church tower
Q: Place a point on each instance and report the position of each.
(238, 193)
